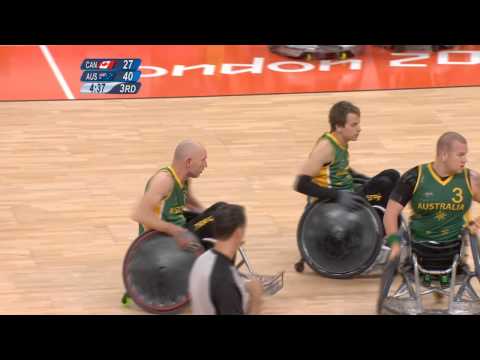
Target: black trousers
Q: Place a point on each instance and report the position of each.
(203, 224)
(377, 189)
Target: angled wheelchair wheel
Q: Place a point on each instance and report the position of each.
(155, 273)
(338, 243)
(475, 254)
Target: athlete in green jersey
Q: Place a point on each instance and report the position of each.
(169, 206)
(440, 193)
(174, 204)
(335, 173)
(327, 175)
(168, 193)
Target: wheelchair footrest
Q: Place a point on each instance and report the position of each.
(271, 283)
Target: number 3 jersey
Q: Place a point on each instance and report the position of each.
(440, 206)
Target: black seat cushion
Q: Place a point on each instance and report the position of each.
(436, 256)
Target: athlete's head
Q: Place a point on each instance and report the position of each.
(452, 151)
(344, 119)
(193, 156)
(230, 223)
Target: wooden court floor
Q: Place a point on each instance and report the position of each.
(72, 170)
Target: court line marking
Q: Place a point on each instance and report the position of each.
(56, 72)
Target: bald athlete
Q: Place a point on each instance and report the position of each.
(168, 204)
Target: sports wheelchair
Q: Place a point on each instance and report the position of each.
(341, 244)
(156, 272)
(422, 267)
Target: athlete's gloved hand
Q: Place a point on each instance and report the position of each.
(350, 200)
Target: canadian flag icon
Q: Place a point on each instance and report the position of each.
(107, 64)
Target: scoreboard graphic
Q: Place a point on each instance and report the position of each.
(110, 76)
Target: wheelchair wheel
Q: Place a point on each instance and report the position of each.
(155, 273)
(337, 243)
(475, 254)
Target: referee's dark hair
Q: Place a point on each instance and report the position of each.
(228, 218)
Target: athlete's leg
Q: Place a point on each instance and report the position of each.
(203, 224)
(377, 190)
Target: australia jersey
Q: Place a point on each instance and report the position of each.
(440, 207)
(335, 174)
(174, 203)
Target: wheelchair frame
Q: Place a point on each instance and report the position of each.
(407, 298)
(271, 283)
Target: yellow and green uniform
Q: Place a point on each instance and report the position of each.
(440, 207)
(174, 203)
(336, 174)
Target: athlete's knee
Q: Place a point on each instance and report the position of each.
(386, 181)
(391, 174)
(378, 189)
(218, 204)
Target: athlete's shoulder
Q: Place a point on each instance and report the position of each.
(411, 174)
(323, 144)
(161, 181)
(323, 151)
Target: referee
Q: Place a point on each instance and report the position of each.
(215, 285)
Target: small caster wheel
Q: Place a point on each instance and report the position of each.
(299, 266)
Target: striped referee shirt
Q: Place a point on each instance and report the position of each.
(216, 287)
